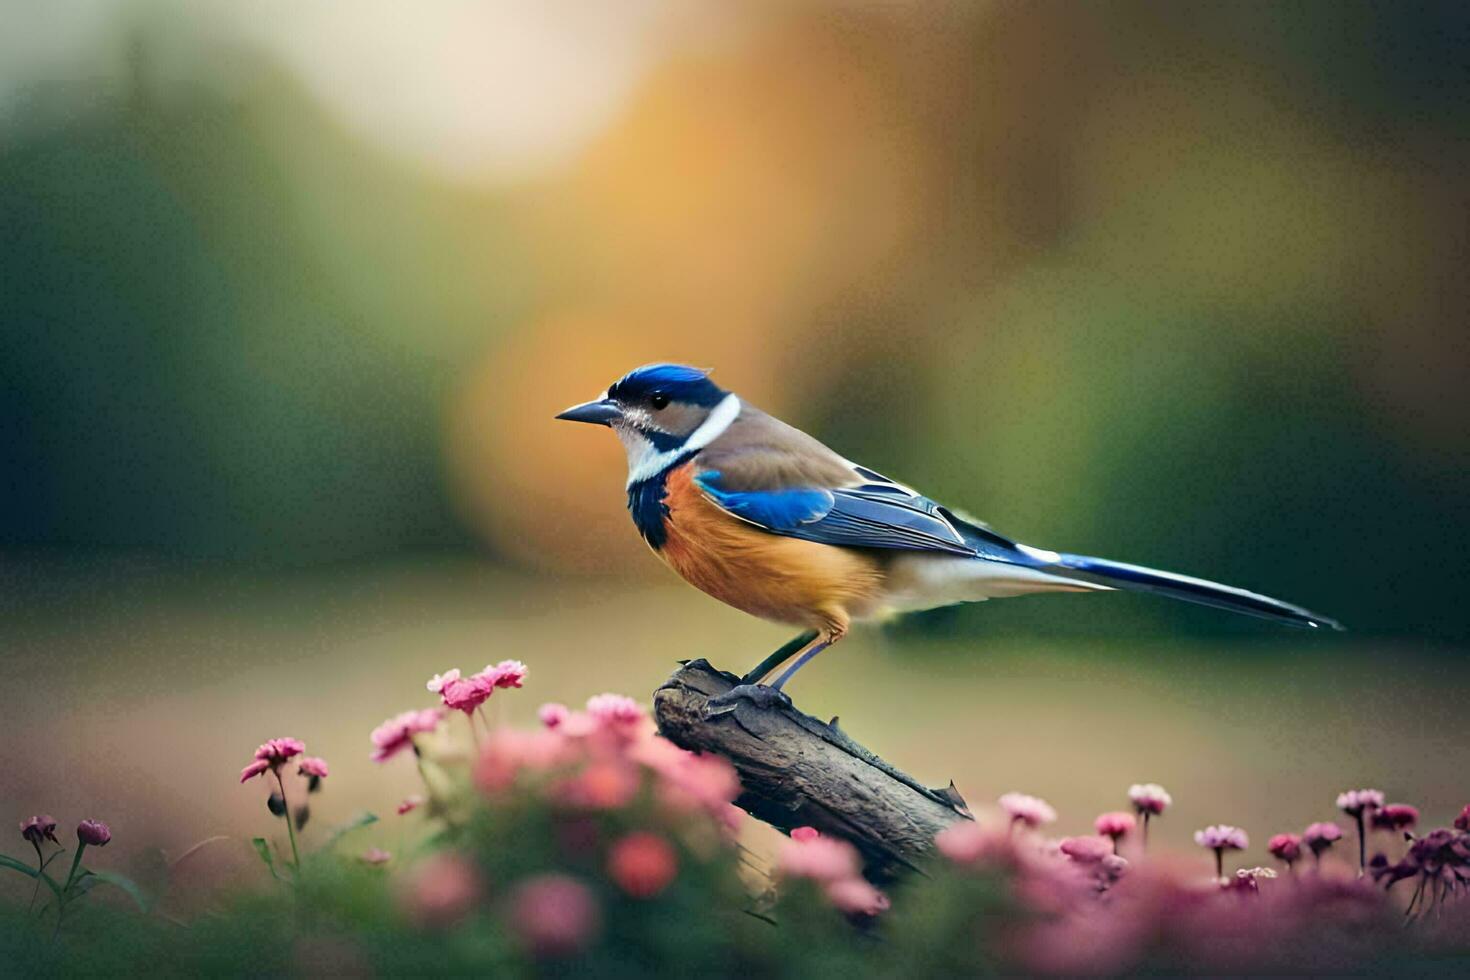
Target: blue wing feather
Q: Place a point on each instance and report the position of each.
(775, 510)
(856, 517)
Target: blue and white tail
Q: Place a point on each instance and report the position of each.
(1002, 566)
(1135, 578)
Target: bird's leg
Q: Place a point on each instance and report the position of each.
(761, 695)
(760, 670)
(816, 648)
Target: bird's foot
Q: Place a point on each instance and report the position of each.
(759, 695)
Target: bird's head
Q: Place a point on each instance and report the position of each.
(660, 412)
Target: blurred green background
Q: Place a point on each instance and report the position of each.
(289, 295)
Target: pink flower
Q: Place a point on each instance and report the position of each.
(606, 784)
(437, 682)
(554, 915)
(818, 858)
(272, 755)
(552, 714)
(466, 694)
(93, 832)
(854, 896)
(1396, 816)
(1354, 802)
(1150, 798)
(804, 834)
(1247, 880)
(410, 804)
(396, 734)
(1086, 850)
(579, 724)
(536, 750)
(39, 828)
(1320, 836)
(965, 842)
(1285, 847)
(687, 781)
(508, 751)
(507, 673)
(375, 855)
(1462, 822)
(1222, 837)
(254, 769)
(642, 864)
(313, 767)
(614, 709)
(1029, 810)
(442, 890)
(279, 750)
(1115, 824)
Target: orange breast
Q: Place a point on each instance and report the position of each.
(777, 578)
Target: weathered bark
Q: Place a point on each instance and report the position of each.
(797, 771)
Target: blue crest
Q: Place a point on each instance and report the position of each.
(680, 382)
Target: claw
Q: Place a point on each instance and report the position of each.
(759, 695)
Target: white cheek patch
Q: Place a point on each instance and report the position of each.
(645, 462)
(641, 453)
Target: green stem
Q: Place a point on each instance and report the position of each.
(76, 862)
(40, 870)
(65, 899)
(290, 824)
(418, 761)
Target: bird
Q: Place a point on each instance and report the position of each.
(768, 519)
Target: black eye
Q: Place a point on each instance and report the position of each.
(659, 400)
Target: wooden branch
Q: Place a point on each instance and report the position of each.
(797, 771)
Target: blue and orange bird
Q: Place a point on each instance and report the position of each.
(764, 517)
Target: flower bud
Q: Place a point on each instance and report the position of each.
(315, 770)
(93, 832)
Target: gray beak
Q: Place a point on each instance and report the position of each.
(603, 412)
